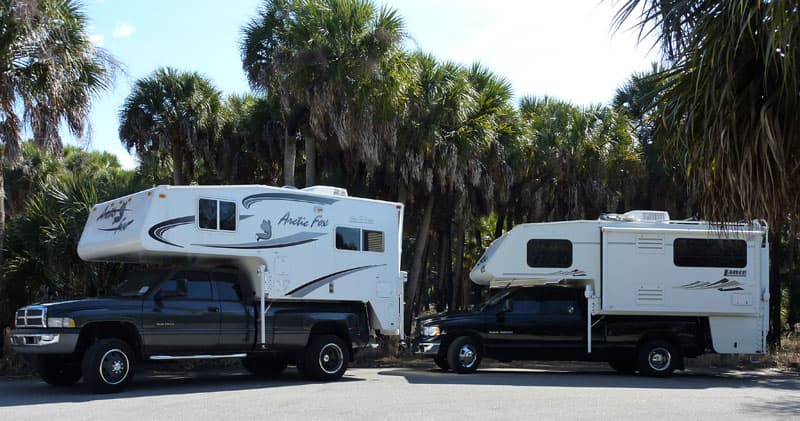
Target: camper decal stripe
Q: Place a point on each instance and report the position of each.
(158, 230)
(291, 240)
(292, 197)
(723, 284)
(308, 287)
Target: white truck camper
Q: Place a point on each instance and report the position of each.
(314, 244)
(641, 263)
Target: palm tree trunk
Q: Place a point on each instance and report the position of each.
(775, 263)
(289, 153)
(177, 167)
(458, 285)
(501, 217)
(419, 254)
(2, 212)
(311, 160)
(444, 270)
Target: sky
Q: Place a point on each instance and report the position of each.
(564, 49)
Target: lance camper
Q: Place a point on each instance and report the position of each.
(637, 290)
(275, 276)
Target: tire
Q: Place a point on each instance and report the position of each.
(325, 358)
(108, 366)
(657, 358)
(441, 362)
(464, 355)
(58, 370)
(624, 365)
(264, 366)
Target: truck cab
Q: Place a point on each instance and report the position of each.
(184, 313)
(549, 323)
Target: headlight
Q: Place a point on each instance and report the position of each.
(431, 331)
(60, 322)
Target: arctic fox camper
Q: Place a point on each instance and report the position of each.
(647, 291)
(275, 276)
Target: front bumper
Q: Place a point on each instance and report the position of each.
(44, 342)
(427, 348)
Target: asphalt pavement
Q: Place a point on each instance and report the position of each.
(419, 393)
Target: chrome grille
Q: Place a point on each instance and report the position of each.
(31, 316)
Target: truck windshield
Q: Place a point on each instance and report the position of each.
(137, 283)
(496, 298)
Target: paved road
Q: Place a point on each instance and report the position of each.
(416, 394)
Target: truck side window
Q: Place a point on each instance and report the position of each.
(709, 253)
(549, 253)
(347, 238)
(227, 287)
(526, 306)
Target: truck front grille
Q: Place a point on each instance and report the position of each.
(31, 316)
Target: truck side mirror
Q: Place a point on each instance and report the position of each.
(507, 306)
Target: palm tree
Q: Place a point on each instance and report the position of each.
(729, 102)
(49, 71)
(174, 115)
(333, 64)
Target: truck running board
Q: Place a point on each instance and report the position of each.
(194, 357)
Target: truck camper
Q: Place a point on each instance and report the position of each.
(637, 290)
(274, 276)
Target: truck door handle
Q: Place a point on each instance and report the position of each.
(213, 309)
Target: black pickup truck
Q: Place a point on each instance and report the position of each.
(185, 313)
(549, 323)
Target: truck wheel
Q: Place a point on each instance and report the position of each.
(464, 355)
(623, 365)
(58, 370)
(441, 362)
(325, 358)
(264, 367)
(108, 366)
(657, 358)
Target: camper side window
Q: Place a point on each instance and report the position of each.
(549, 253)
(347, 238)
(357, 239)
(216, 215)
(709, 253)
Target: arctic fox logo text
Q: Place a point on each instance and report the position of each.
(302, 221)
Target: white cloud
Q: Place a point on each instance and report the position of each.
(123, 30)
(97, 39)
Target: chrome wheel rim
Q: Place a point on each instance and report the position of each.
(331, 358)
(659, 359)
(114, 366)
(467, 355)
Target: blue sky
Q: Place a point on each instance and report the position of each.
(558, 48)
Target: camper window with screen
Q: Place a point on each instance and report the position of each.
(373, 241)
(548, 253)
(359, 240)
(216, 215)
(709, 253)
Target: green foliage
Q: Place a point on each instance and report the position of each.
(41, 240)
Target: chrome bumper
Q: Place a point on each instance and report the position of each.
(44, 343)
(428, 349)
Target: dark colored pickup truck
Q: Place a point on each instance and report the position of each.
(549, 323)
(187, 313)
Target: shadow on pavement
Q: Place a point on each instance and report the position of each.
(150, 383)
(598, 379)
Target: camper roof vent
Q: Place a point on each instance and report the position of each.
(637, 216)
(647, 216)
(329, 190)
